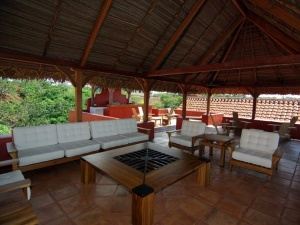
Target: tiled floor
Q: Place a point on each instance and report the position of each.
(239, 197)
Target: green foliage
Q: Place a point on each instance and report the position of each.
(34, 102)
(170, 100)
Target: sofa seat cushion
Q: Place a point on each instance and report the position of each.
(253, 156)
(136, 137)
(183, 140)
(111, 141)
(79, 147)
(40, 154)
(11, 177)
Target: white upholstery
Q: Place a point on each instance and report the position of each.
(256, 147)
(192, 128)
(32, 137)
(11, 177)
(126, 126)
(103, 128)
(183, 140)
(135, 137)
(70, 132)
(260, 158)
(259, 140)
(111, 141)
(210, 130)
(79, 147)
(40, 154)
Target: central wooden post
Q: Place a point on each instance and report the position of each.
(184, 100)
(208, 102)
(142, 205)
(78, 95)
(146, 103)
(255, 96)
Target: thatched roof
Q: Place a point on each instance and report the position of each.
(116, 42)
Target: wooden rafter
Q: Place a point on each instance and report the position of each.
(219, 42)
(177, 34)
(104, 9)
(282, 39)
(278, 12)
(259, 62)
(52, 26)
(215, 75)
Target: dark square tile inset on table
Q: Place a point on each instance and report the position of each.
(137, 160)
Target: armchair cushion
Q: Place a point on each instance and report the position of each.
(256, 157)
(126, 126)
(192, 128)
(32, 137)
(79, 147)
(11, 177)
(70, 132)
(183, 140)
(103, 128)
(40, 154)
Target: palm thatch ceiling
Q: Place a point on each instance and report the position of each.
(208, 45)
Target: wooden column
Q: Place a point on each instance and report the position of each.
(142, 205)
(146, 102)
(93, 89)
(255, 96)
(208, 102)
(78, 95)
(184, 100)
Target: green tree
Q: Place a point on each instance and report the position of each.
(170, 100)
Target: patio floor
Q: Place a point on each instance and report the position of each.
(240, 197)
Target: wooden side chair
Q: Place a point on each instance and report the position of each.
(14, 180)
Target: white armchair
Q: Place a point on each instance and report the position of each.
(188, 138)
(258, 150)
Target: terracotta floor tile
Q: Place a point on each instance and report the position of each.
(218, 217)
(121, 191)
(178, 217)
(121, 205)
(106, 180)
(267, 207)
(41, 200)
(210, 196)
(105, 190)
(292, 215)
(292, 204)
(48, 213)
(65, 192)
(93, 217)
(294, 195)
(296, 185)
(255, 217)
(232, 206)
(63, 220)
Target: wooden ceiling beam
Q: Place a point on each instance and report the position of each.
(177, 34)
(6, 54)
(279, 37)
(259, 62)
(52, 26)
(104, 9)
(278, 12)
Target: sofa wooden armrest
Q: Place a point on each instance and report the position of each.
(15, 185)
(276, 157)
(195, 138)
(169, 133)
(145, 131)
(13, 152)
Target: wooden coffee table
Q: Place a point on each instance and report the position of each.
(143, 188)
(221, 142)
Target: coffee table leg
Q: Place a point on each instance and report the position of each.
(88, 172)
(142, 205)
(203, 174)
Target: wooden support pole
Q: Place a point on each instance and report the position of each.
(78, 95)
(208, 102)
(142, 205)
(184, 100)
(146, 103)
(255, 96)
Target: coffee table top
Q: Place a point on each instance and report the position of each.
(157, 179)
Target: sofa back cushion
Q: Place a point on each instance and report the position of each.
(126, 126)
(192, 128)
(35, 136)
(70, 132)
(103, 128)
(259, 140)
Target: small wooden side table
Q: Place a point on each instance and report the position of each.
(216, 141)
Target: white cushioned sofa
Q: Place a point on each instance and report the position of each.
(41, 146)
(115, 133)
(258, 150)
